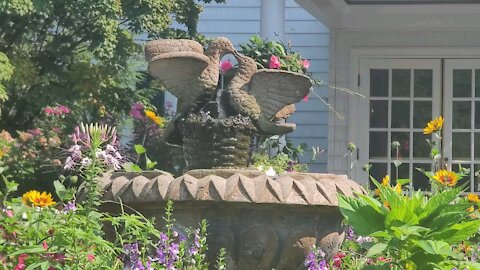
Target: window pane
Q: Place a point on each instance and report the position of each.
(462, 83)
(401, 82)
(477, 114)
(378, 113)
(477, 145)
(378, 144)
(464, 180)
(422, 113)
(403, 172)
(400, 114)
(477, 83)
(420, 181)
(461, 145)
(423, 82)
(461, 114)
(404, 139)
(421, 149)
(379, 82)
(378, 171)
(476, 178)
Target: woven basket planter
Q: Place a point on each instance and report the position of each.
(216, 143)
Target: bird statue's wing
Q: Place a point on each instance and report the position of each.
(274, 90)
(178, 72)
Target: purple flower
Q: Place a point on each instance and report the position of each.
(136, 111)
(350, 233)
(132, 257)
(70, 206)
(362, 239)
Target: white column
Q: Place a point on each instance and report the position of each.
(272, 20)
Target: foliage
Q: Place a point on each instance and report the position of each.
(82, 54)
(286, 157)
(147, 137)
(39, 233)
(419, 231)
(32, 156)
(262, 51)
(6, 70)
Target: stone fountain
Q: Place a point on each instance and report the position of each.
(263, 222)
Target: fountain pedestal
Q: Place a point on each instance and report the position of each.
(263, 223)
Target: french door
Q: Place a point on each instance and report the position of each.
(402, 95)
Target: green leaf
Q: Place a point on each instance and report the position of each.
(376, 249)
(403, 181)
(139, 149)
(60, 190)
(131, 167)
(397, 163)
(360, 215)
(440, 199)
(458, 232)
(435, 247)
(27, 251)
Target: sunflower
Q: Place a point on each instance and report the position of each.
(473, 198)
(434, 125)
(154, 117)
(446, 178)
(37, 199)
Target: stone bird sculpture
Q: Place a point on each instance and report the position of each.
(186, 71)
(265, 95)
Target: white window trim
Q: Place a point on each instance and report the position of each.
(357, 54)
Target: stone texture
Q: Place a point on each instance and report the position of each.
(262, 222)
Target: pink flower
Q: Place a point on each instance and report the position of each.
(35, 131)
(44, 244)
(90, 257)
(225, 66)
(305, 98)
(136, 111)
(9, 213)
(56, 129)
(274, 62)
(305, 64)
(21, 262)
(63, 109)
(49, 110)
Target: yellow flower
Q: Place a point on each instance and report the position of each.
(37, 199)
(434, 125)
(386, 204)
(386, 181)
(471, 209)
(155, 118)
(398, 188)
(1, 153)
(446, 178)
(473, 198)
(377, 192)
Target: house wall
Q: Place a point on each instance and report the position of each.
(240, 19)
(342, 44)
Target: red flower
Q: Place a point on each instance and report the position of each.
(225, 66)
(337, 260)
(274, 62)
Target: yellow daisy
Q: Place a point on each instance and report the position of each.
(473, 198)
(434, 125)
(386, 181)
(446, 178)
(154, 117)
(37, 199)
(398, 188)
